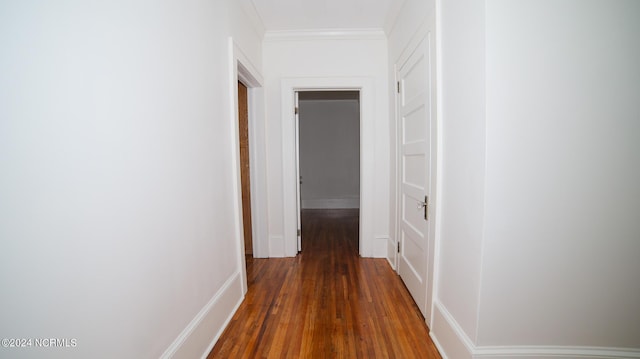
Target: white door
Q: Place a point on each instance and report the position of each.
(416, 140)
(298, 179)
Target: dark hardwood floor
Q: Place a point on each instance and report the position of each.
(325, 303)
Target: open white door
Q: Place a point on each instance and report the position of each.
(298, 179)
(416, 139)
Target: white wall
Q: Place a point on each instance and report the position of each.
(117, 217)
(330, 153)
(562, 208)
(538, 234)
(462, 110)
(325, 56)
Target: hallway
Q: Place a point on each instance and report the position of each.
(327, 302)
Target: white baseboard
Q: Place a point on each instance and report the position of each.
(453, 343)
(276, 247)
(199, 337)
(380, 246)
(391, 253)
(553, 352)
(328, 203)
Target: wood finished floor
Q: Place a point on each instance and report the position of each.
(325, 303)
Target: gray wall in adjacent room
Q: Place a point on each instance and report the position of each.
(330, 149)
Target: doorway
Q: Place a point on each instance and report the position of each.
(245, 178)
(328, 154)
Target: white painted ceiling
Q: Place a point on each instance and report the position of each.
(297, 15)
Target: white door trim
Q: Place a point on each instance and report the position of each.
(298, 196)
(241, 69)
(393, 246)
(289, 150)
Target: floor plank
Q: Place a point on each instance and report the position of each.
(325, 303)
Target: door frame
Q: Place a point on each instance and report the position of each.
(296, 104)
(290, 152)
(241, 69)
(297, 139)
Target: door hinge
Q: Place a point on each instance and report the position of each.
(398, 246)
(398, 86)
(299, 232)
(296, 110)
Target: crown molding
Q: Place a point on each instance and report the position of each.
(392, 15)
(326, 34)
(254, 17)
